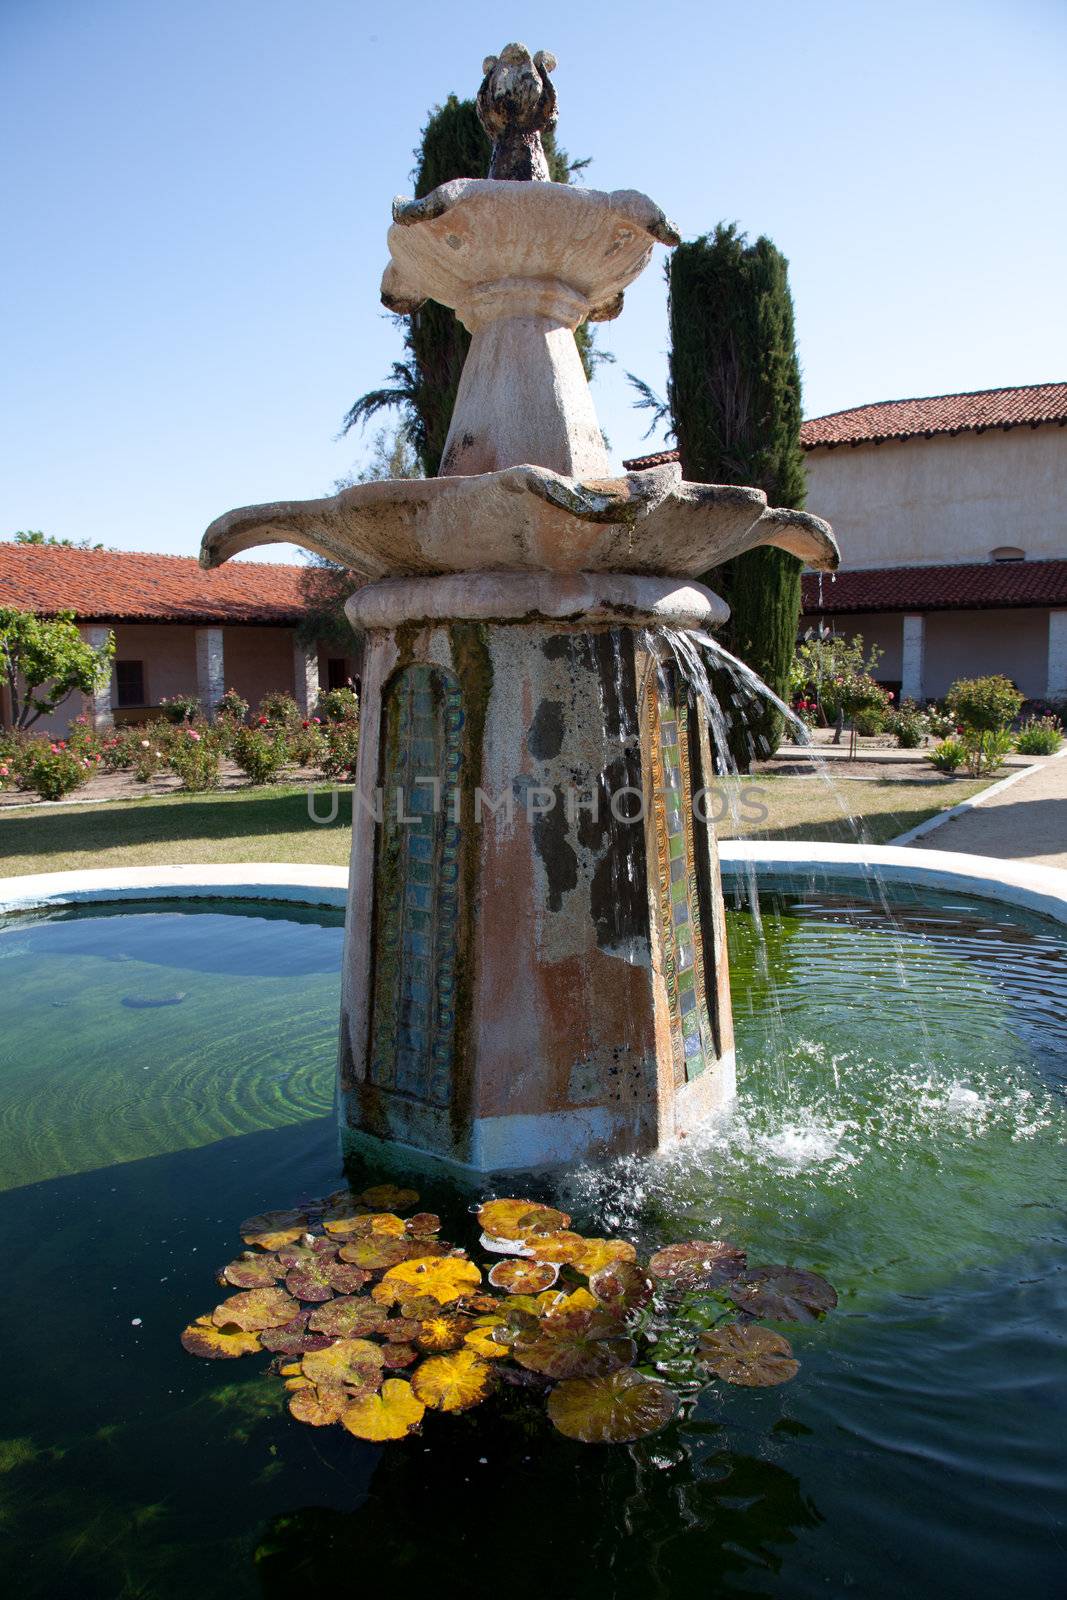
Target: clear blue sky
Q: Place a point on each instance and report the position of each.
(196, 192)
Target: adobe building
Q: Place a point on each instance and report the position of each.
(951, 515)
(178, 629)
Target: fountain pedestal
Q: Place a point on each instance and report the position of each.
(534, 967)
(535, 962)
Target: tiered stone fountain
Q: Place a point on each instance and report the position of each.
(535, 964)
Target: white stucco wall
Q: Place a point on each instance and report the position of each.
(944, 499)
(972, 644)
(258, 661)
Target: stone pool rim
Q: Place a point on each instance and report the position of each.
(1033, 888)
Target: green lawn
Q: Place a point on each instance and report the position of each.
(274, 825)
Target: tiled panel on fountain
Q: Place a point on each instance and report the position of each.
(417, 888)
(677, 893)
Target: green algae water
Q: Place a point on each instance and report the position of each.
(166, 1070)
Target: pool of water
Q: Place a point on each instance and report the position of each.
(166, 1070)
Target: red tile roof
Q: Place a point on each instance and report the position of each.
(975, 586)
(661, 458)
(117, 585)
(939, 414)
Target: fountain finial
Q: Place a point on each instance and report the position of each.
(516, 104)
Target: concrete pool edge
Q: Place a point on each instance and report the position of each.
(1034, 888)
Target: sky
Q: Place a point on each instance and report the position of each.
(195, 196)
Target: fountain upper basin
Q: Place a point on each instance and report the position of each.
(528, 519)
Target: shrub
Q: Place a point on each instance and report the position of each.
(338, 705)
(939, 722)
(1039, 736)
(52, 771)
(986, 705)
(279, 711)
(260, 753)
(179, 708)
(986, 751)
(307, 744)
(863, 701)
(195, 759)
(908, 725)
(338, 760)
(233, 706)
(148, 754)
(948, 756)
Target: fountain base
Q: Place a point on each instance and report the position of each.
(535, 968)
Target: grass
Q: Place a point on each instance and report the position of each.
(273, 824)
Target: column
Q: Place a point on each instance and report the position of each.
(912, 648)
(210, 669)
(98, 705)
(305, 675)
(1056, 688)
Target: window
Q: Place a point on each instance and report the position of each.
(1007, 552)
(337, 672)
(129, 683)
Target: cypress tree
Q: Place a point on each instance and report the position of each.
(734, 396)
(453, 144)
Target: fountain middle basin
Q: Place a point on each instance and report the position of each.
(921, 1166)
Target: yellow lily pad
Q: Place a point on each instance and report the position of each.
(514, 1219)
(747, 1355)
(320, 1405)
(376, 1254)
(444, 1277)
(483, 1343)
(519, 1276)
(389, 1415)
(596, 1254)
(256, 1308)
(272, 1229)
(555, 1303)
(443, 1332)
(204, 1338)
(614, 1409)
(562, 1247)
(454, 1382)
(387, 1197)
(350, 1361)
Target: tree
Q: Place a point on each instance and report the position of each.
(34, 536)
(423, 385)
(734, 397)
(45, 660)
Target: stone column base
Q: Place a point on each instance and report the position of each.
(535, 966)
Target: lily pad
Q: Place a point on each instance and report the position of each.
(444, 1277)
(293, 1338)
(389, 1415)
(376, 1254)
(388, 1197)
(319, 1404)
(400, 1355)
(524, 1277)
(698, 1264)
(355, 1362)
(622, 1286)
(453, 1382)
(352, 1317)
(443, 1332)
(562, 1247)
(203, 1338)
(576, 1344)
(615, 1409)
(423, 1223)
(271, 1229)
(253, 1271)
(599, 1253)
(484, 1343)
(311, 1282)
(556, 1302)
(344, 1219)
(255, 1309)
(783, 1294)
(514, 1219)
(745, 1354)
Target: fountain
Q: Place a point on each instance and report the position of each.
(535, 968)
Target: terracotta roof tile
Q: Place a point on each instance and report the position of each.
(973, 586)
(117, 585)
(661, 458)
(939, 414)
